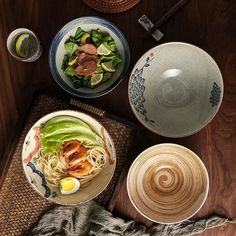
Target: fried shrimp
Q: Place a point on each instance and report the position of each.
(82, 168)
(74, 150)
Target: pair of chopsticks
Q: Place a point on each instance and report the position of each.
(164, 18)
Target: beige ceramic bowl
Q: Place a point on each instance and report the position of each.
(34, 173)
(167, 183)
(175, 89)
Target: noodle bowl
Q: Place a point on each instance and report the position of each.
(68, 144)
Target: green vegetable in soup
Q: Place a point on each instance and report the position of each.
(106, 76)
(116, 60)
(77, 82)
(65, 62)
(109, 43)
(99, 70)
(71, 39)
(86, 81)
(71, 48)
(76, 38)
(113, 57)
(60, 129)
(79, 33)
(96, 36)
(70, 71)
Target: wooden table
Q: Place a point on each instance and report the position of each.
(208, 24)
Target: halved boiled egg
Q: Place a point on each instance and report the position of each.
(69, 185)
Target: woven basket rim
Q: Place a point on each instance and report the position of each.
(111, 6)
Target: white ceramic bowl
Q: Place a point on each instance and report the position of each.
(175, 89)
(57, 52)
(167, 183)
(34, 173)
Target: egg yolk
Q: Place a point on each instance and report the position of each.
(67, 184)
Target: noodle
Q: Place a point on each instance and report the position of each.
(97, 157)
(54, 166)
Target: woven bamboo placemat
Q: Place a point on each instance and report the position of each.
(20, 205)
(111, 6)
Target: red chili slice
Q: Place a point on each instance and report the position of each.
(87, 68)
(88, 48)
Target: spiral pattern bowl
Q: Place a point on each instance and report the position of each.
(167, 183)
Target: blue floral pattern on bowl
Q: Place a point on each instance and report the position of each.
(215, 94)
(47, 193)
(137, 88)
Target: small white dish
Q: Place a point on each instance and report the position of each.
(175, 89)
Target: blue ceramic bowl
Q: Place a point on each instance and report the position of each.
(175, 89)
(57, 52)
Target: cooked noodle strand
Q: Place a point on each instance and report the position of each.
(54, 166)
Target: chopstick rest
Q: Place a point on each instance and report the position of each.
(147, 25)
(165, 17)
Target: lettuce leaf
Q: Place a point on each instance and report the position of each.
(60, 129)
(96, 36)
(113, 57)
(109, 43)
(71, 48)
(70, 71)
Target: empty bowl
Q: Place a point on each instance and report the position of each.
(57, 51)
(167, 183)
(175, 89)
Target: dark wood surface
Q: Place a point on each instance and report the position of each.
(208, 24)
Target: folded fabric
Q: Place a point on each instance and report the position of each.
(90, 219)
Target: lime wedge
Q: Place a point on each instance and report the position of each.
(108, 66)
(102, 50)
(25, 45)
(96, 79)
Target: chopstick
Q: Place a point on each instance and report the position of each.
(164, 18)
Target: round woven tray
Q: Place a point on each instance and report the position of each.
(111, 6)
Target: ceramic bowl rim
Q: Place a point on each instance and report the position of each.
(113, 166)
(213, 114)
(173, 145)
(60, 35)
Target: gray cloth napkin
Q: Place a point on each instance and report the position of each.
(91, 219)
